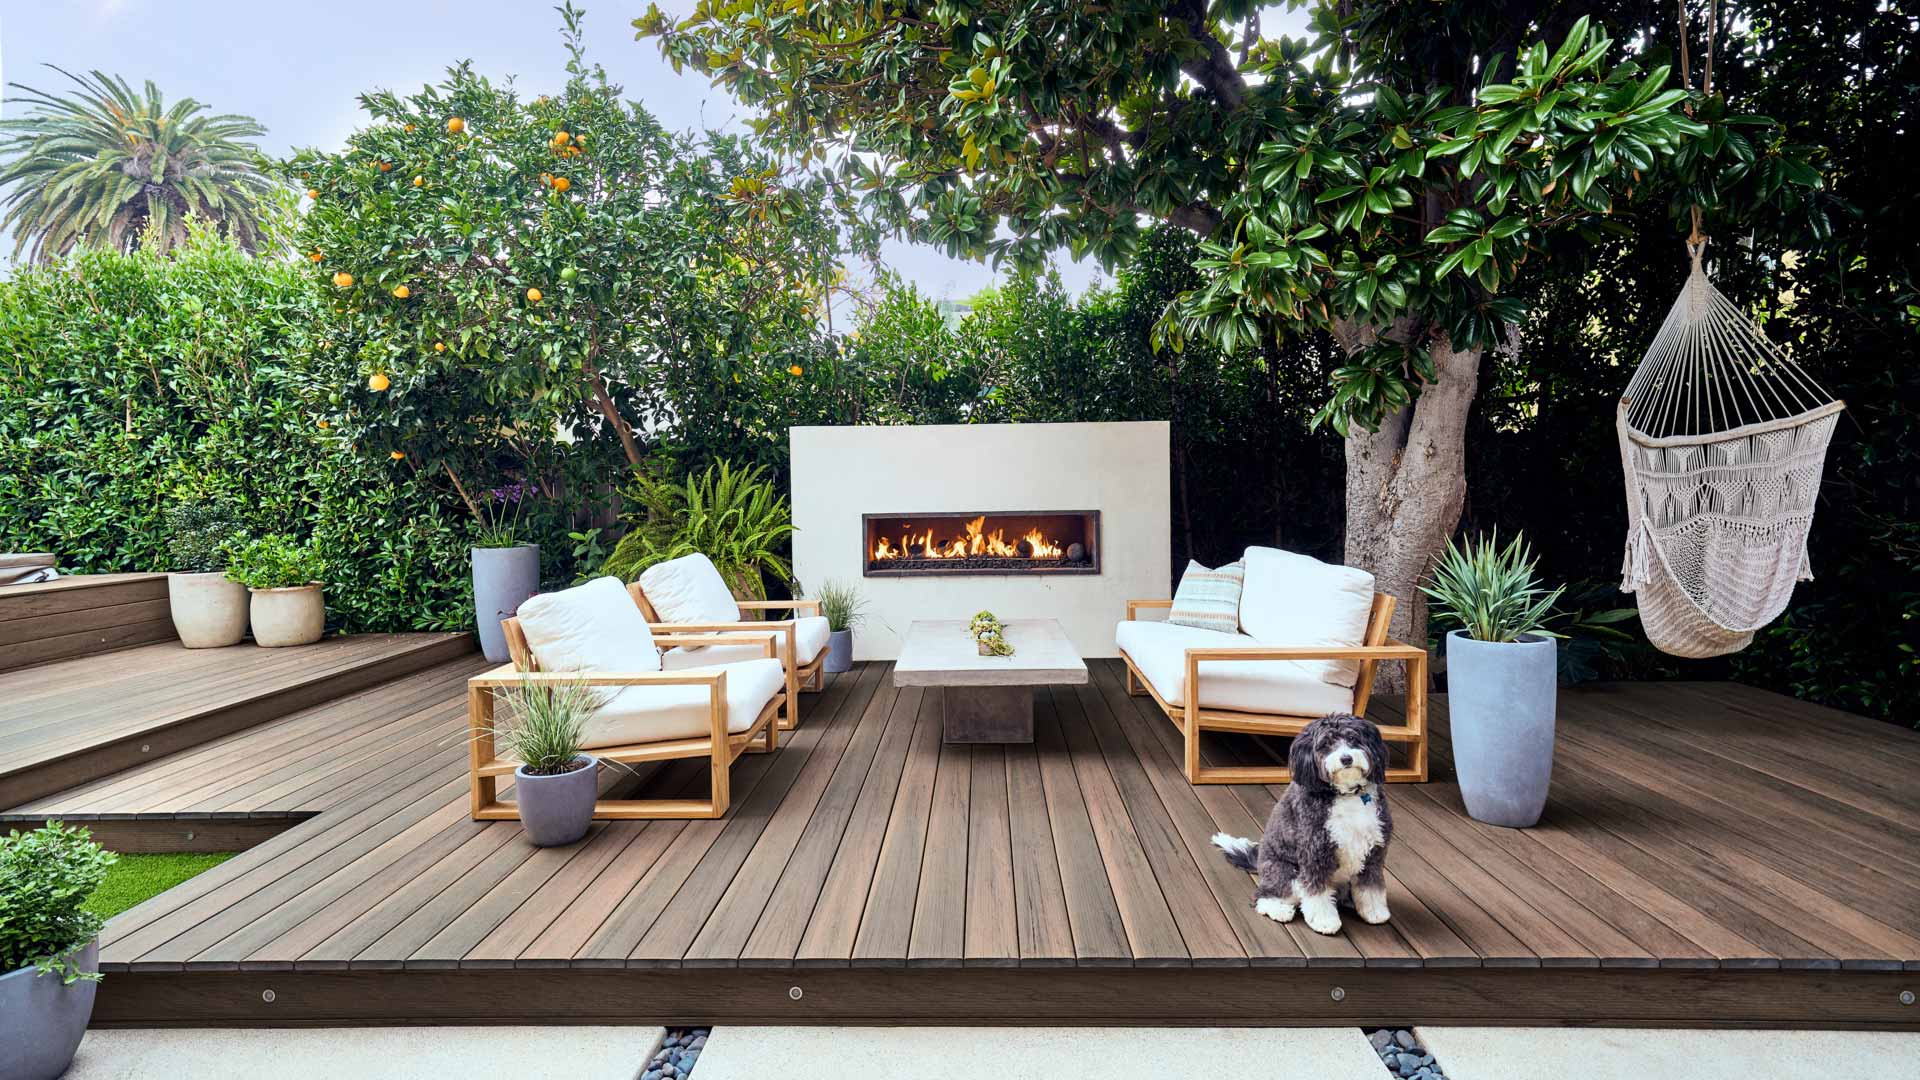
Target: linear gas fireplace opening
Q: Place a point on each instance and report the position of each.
(1029, 542)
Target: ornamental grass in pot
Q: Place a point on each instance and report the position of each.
(49, 947)
(209, 609)
(506, 569)
(1501, 677)
(288, 604)
(844, 609)
(556, 784)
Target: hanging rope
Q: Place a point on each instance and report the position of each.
(1723, 438)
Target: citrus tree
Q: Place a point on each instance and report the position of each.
(1385, 182)
(499, 267)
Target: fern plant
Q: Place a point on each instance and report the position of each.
(735, 517)
(1491, 592)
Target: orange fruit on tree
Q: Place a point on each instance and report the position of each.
(796, 371)
(419, 181)
(456, 125)
(379, 382)
(533, 296)
(396, 455)
(343, 279)
(439, 346)
(408, 128)
(546, 179)
(386, 166)
(562, 138)
(401, 292)
(321, 423)
(561, 183)
(312, 194)
(314, 257)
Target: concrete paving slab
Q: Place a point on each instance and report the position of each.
(1640, 1053)
(385, 1053)
(836, 1053)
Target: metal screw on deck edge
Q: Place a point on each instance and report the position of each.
(1339, 993)
(1906, 997)
(266, 996)
(794, 992)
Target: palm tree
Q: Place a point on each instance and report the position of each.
(106, 167)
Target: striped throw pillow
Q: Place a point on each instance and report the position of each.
(1209, 599)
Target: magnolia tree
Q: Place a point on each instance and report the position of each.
(500, 267)
(1385, 182)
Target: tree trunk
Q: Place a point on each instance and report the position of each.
(597, 386)
(1406, 486)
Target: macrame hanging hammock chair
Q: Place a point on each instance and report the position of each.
(1722, 439)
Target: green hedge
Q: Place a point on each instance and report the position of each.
(130, 381)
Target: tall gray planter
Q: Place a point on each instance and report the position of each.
(503, 579)
(839, 652)
(557, 809)
(1500, 708)
(42, 1021)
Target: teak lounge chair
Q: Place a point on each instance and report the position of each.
(688, 596)
(1309, 638)
(594, 633)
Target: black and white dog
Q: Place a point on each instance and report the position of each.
(1329, 830)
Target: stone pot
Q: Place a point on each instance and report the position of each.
(1500, 708)
(209, 611)
(557, 809)
(839, 651)
(503, 579)
(42, 1021)
(290, 616)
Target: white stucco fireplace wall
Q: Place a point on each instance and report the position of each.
(1121, 470)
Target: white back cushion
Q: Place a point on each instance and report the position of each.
(594, 627)
(689, 590)
(1294, 599)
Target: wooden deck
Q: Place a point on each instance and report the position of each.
(80, 615)
(1712, 855)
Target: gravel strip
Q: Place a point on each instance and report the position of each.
(1403, 1055)
(677, 1054)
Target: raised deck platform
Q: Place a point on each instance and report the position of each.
(1712, 855)
(81, 615)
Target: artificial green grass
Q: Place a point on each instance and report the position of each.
(137, 877)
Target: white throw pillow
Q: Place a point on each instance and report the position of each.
(594, 627)
(1294, 599)
(1208, 599)
(689, 591)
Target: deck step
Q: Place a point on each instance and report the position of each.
(69, 722)
(81, 615)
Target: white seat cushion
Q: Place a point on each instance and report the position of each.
(642, 714)
(1298, 600)
(1290, 687)
(591, 627)
(809, 637)
(689, 590)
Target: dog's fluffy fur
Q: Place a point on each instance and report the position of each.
(1330, 830)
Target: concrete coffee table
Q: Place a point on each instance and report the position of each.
(989, 698)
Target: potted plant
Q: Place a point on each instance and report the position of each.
(1501, 677)
(288, 606)
(555, 785)
(209, 610)
(844, 609)
(506, 570)
(735, 517)
(49, 952)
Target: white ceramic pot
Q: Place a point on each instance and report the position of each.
(209, 611)
(294, 616)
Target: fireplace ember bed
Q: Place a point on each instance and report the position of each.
(1023, 542)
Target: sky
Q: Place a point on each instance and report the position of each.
(298, 68)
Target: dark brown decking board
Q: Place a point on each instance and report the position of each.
(1070, 881)
(98, 731)
(81, 615)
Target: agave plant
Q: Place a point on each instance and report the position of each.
(108, 167)
(736, 517)
(1491, 591)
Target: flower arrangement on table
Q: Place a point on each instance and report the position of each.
(989, 633)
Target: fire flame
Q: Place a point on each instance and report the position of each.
(976, 540)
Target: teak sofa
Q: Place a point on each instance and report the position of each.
(1270, 700)
(760, 689)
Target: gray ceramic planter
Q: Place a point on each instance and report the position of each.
(503, 579)
(1500, 708)
(41, 1021)
(839, 651)
(557, 810)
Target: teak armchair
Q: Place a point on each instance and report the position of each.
(1192, 718)
(719, 746)
(809, 676)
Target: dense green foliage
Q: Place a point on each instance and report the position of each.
(46, 876)
(200, 536)
(735, 517)
(133, 382)
(275, 562)
(105, 166)
(136, 878)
